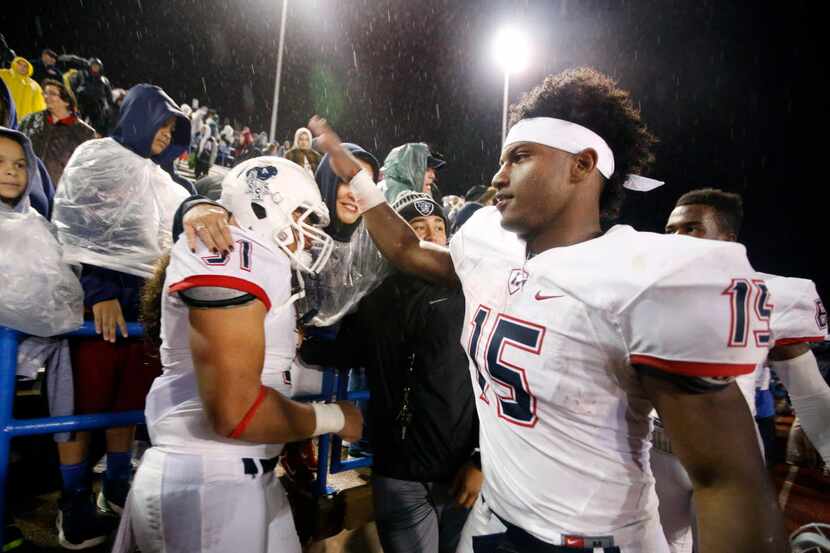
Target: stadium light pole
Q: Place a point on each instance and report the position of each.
(511, 52)
(276, 104)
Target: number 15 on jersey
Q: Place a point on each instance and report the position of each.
(515, 401)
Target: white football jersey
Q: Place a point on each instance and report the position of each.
(552, 341)
(799, 315)
(176, 419)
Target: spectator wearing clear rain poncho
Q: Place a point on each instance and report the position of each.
(44, 296)
(113, 214)
(42, 190)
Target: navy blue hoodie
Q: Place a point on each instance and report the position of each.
(327, 181)
(41, 192)
(144, 111)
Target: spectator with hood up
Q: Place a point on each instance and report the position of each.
(113, 212)
(302, 154)
(47, 297)
(410, 167)
(27, 94)
(41, 192)
(94, 94)
(336, 193)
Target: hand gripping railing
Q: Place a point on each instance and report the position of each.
(334, 387)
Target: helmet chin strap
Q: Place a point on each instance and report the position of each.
(297, 289)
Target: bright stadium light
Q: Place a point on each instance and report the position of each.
(511, 50)
(512, 53)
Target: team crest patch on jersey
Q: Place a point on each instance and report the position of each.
(257, 180)
(821, 315)
(424, 208)
(516, 280)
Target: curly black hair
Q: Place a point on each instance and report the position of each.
(729, 207)
(150, 306)
(592, 99)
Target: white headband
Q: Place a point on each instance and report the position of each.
(572, 138)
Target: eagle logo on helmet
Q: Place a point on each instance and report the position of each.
(424, 207)
(257, 180)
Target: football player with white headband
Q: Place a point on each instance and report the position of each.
(574, 334)
(219, 413)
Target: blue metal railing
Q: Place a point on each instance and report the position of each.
(334, 387)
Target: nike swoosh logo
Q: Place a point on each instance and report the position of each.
(540, 297)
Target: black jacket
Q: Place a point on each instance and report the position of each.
(407, 323)
(41, 71)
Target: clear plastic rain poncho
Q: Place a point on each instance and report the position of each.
(41, 294)
(114, 208)
(354, 269)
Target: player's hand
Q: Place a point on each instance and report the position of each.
(353, 429)
(467, 485)
(108, 316)
(343, 163)
(209, 223)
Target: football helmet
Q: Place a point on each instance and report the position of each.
(278, 200)
(811, 538)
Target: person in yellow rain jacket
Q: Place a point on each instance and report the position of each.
(27, 94)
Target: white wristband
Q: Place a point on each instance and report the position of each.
(366, 192)
(329, 418)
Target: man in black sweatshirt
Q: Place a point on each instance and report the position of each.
(422, 424)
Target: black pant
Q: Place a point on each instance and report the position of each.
(766, 427)
(416, 517)
(516, 540)
(202, 168)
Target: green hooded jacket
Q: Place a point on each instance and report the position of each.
(403, 169)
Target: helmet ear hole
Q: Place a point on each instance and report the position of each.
(259, 211)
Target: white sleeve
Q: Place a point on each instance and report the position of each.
(470, 243)
(707, 316)
(459, 259)
(810, 395)
(799, 315)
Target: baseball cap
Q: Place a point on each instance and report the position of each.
(435, 160)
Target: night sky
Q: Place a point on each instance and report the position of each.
(731, 89)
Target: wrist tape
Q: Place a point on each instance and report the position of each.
(366, 193)
(329, 418)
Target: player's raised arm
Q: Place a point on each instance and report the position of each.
(392, 235)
